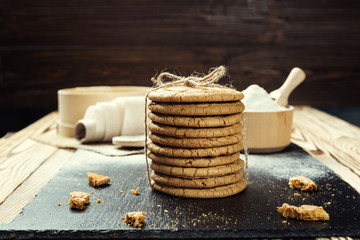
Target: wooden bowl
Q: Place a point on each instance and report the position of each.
(73, 102)
(268, 132)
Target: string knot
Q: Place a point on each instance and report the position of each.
(192, 81)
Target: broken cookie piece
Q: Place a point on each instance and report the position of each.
(78, 199)
(82, 195)
(304, 212)
(302, 183)
(97, 180)
(135, 218)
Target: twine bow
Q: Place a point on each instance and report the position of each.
(191, 81)
(209, 80)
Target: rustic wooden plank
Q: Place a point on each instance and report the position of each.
(26, 159)
(79, 23)
(332, 141)
(33, 76)
(8, 145)
(45, 46)
(20, 156)
(23, 194)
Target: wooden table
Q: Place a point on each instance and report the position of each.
(26, 166)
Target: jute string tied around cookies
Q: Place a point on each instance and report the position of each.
(209, 80)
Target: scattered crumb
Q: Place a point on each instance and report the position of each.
(122, 217)
(332, 195)
(96, 180)
(328, 203)
(135, 218)
(284, 221)
(302, 183)
(296, 194)
(135, 192)
(92, 192)
(121, 191)
(98, 201)
(158, 206)
(78, 199)
(59, 204)
(166, 211)
(304, 212)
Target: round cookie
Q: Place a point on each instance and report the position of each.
(194, 162)
(216, 192)
(191, 172)
(186, 132)
(195, 142)
(194, 152)
(197, 109)
(210, 182)
(195, 94)
(199, 122)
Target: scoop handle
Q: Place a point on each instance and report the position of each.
(295, 77)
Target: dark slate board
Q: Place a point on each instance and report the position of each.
(250, 214)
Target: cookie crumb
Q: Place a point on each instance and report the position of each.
(59, 204)
(97, 180)
(284, 221)
(304, 212)
(121, 192)
(158, 206)
(122, 217)
(78, 199)
(296, 194)
(302, 183)
(135, 192)
(135, 218)
(98, 201)
(166, 211)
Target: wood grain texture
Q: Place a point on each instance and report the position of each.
(8, 144)
(28, 189)
(20, 156)
(15, 169)
(48, 45)
(331, 140)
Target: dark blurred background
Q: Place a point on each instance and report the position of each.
(49, 45)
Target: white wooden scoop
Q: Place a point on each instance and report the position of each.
(281, 95)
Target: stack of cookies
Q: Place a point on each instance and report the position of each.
(195, 139)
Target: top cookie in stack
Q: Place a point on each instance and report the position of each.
(196, 139)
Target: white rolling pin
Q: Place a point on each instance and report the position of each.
(124, 116)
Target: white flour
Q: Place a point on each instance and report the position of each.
(256, 99)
